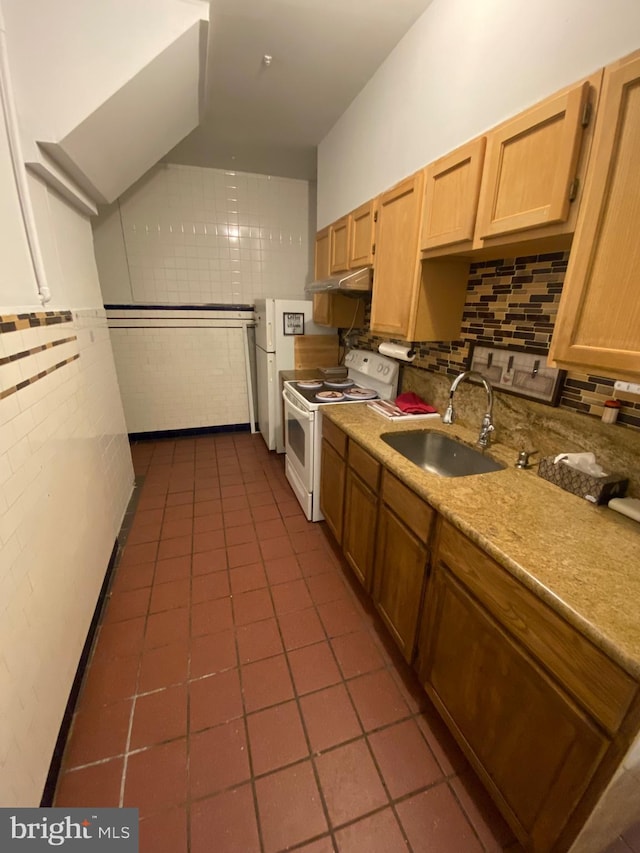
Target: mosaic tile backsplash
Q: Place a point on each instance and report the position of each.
(512, 303)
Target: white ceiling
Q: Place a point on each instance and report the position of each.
(270, 119)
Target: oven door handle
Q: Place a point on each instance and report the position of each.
(294, 404)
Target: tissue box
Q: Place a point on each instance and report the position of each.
(597, 490)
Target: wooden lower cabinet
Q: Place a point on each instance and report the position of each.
(404, 522)
(359, 537)
(332, 480)
(534, 748)
(361, 513)
(544, 716)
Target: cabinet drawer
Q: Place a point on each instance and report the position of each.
(364, 465)
(335, 437)
(597, 683)
(414, 512)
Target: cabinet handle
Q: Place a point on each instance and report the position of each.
(573, 189)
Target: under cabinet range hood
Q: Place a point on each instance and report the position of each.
(355, 283)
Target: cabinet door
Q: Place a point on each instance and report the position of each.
(332, 478)
(534, 749)
(322, 309)
(321, 301)
(362, 236)
(399, 578)
(321, 257)
(337, 310)
(451, 190)
(360, 517)
(395, 291)
(339, 245)
(530, 165)
(598, 323)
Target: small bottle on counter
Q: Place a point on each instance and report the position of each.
(610, 411)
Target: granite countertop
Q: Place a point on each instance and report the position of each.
(583, 560)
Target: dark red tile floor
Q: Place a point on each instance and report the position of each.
(242, 693)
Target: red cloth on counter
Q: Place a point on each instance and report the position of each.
(413, 405)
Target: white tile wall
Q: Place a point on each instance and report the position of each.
(65, 480)
(180, 378)
(194, 235)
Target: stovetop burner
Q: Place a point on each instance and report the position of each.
(370, 376)
(330, 392)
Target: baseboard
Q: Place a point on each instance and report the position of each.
(49, 791)
(185, 433)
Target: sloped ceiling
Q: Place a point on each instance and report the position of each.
(103, 89)
(135, 127)
(270, 118)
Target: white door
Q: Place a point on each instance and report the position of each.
(267, 395)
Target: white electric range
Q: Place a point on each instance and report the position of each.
(369, 376)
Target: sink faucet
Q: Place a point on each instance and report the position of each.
(487, 426)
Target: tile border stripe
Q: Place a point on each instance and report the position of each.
(18, 322)
(24, 353)
(8, 391)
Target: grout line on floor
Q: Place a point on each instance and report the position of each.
(126, 753)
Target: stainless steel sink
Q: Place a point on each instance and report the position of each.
(440, 454)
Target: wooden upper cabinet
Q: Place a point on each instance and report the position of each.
(395, 290)
(413, 301)
(333, 309)
(351, 239)
(531, 164)
(451, 190)
(362, 235)
(339, 245)
(321, 301)
(598, 323)
(321, 257)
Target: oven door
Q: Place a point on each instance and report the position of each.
(299, 437)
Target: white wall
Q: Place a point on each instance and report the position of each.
(65, 480)
(462, 68)
(188, 235)
(17, 281)
(66, 244)
(179, 372)
(110, 42)
(185, 235)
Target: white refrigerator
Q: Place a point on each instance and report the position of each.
(277, 323)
